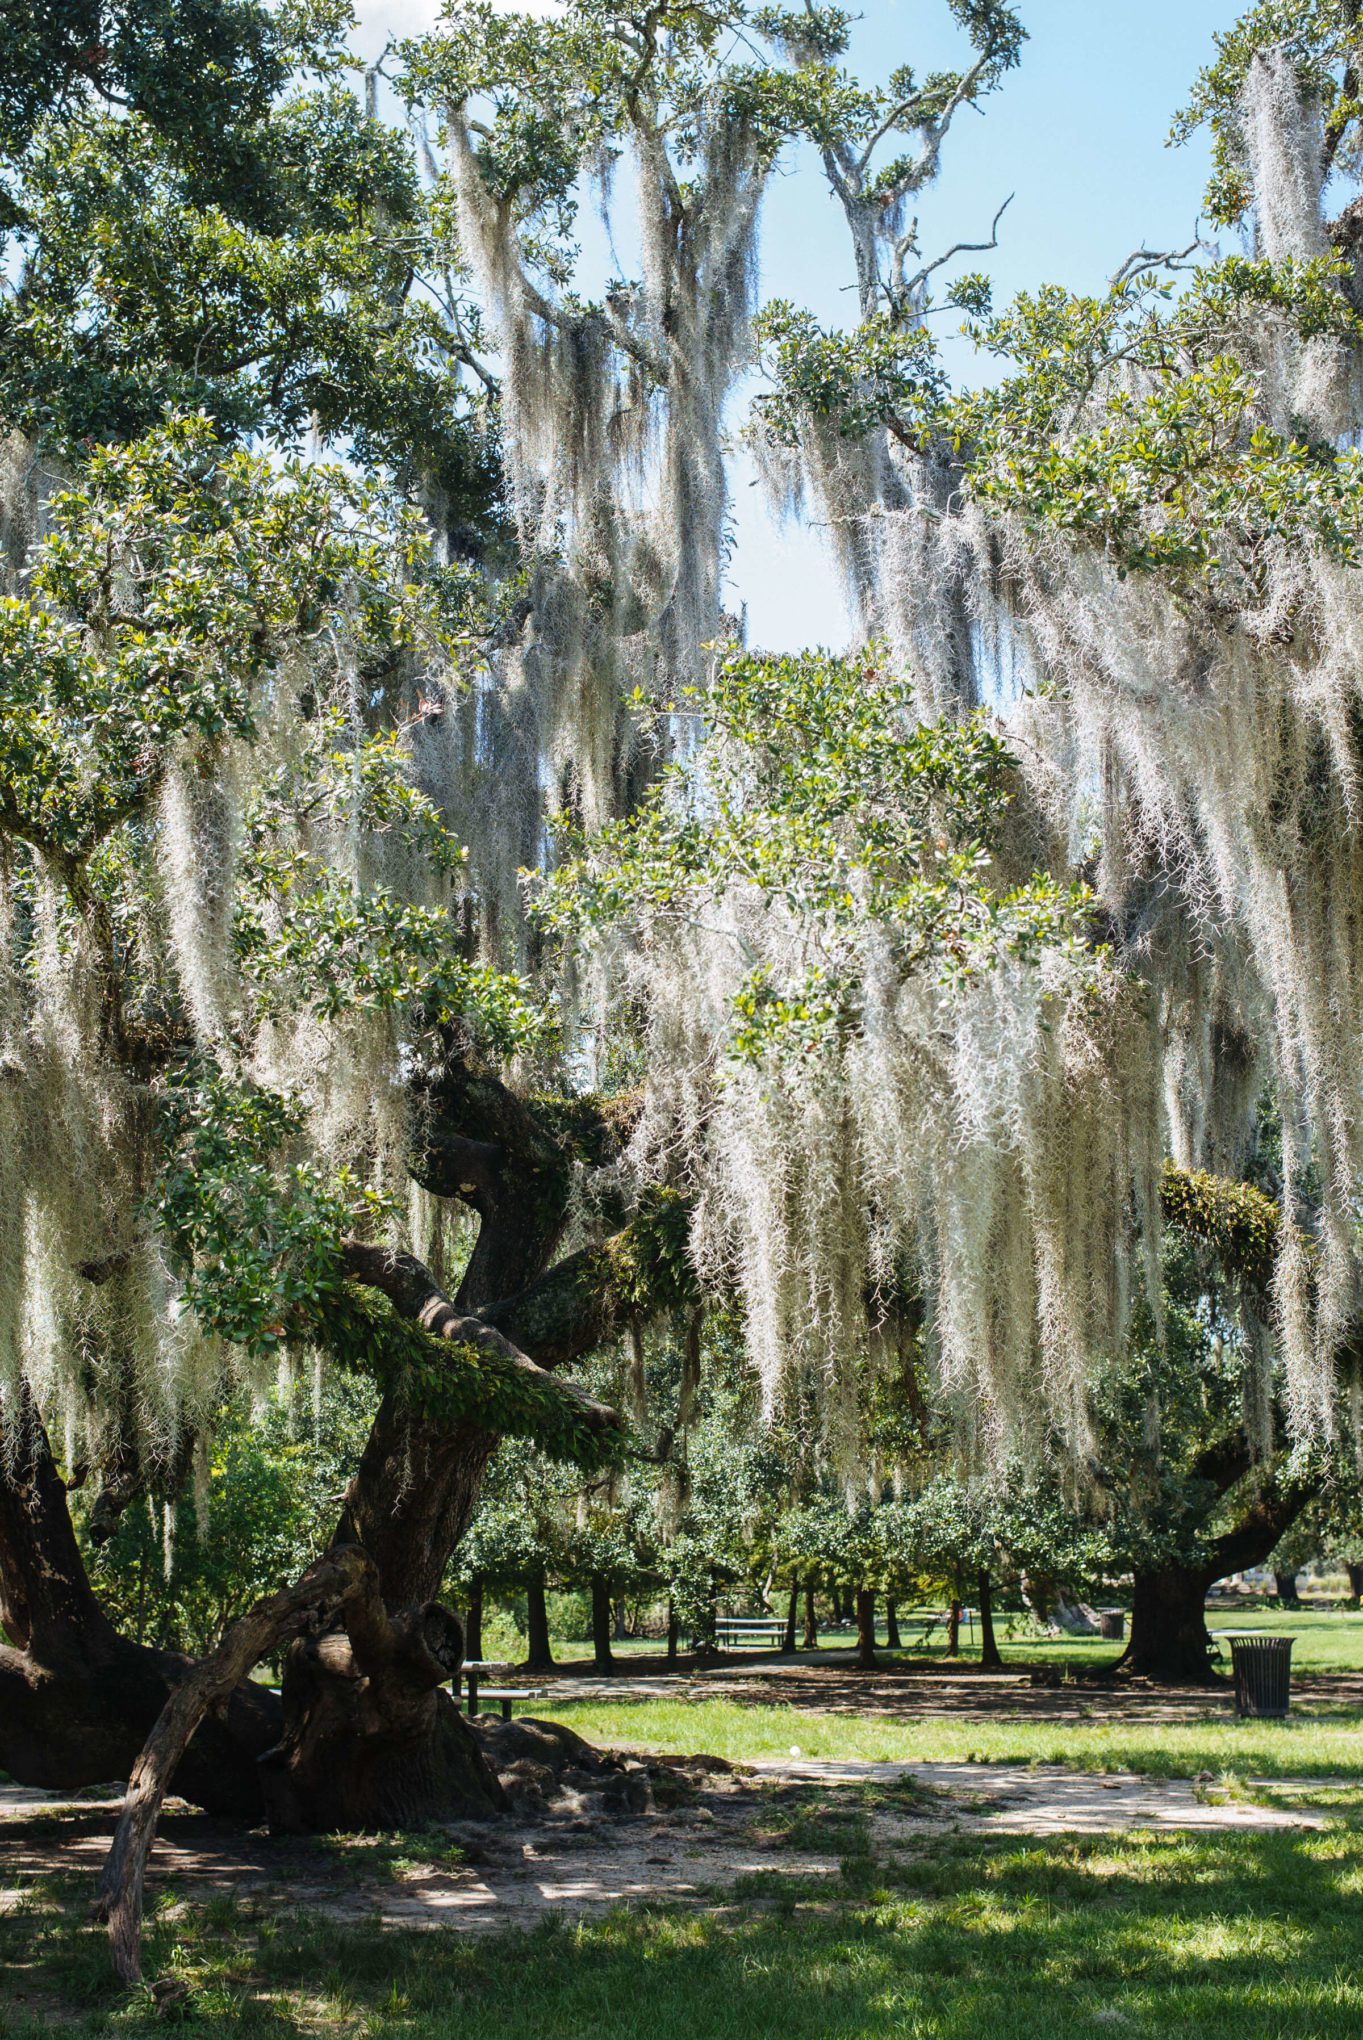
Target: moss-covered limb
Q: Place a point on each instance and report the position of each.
(1241, 1224)
(478, 1379)
(640, 1270)
(566, 1313)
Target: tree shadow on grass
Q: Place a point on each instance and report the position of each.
(1252, 1935)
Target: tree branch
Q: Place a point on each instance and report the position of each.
(417, 1297)
(1269, 1517)
(327, 1584)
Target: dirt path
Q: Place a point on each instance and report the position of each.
(778, 1822)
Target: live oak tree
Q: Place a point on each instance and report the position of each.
(208, 991)
(878, 1018)
(239, 935)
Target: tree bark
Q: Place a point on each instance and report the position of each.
(372, 1739)
(673, 1628)
(792, 1615)
(892, 1637)
(811, 1636)
(1169, 1640)
(1354, 1574)
(602, 1657)
(953, 1649)
(473, 1622)
(539, 1656)
(1285, 1586)
(867, 1660)
(991, 1659)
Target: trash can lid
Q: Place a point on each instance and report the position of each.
(1254, 1641)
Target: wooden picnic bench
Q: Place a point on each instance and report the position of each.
(474, 1672)
(741, 1632)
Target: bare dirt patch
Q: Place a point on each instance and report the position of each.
(627, 1831)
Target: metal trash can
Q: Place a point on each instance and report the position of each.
(1263, 1674)
(1112, 1624)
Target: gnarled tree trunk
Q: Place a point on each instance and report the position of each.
(372, 1740)
(366, 1750)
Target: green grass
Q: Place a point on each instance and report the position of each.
(1259, 1937)
(1238, 1937)
(1306, 1745)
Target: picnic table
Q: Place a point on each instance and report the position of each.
(474, 1671)
(757, 1632)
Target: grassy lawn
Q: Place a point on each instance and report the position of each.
(1220, 1936)
(946, 1937)
(1305, 1745)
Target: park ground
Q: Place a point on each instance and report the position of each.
(794, 1849)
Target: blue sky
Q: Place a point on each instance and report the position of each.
(1077, 135)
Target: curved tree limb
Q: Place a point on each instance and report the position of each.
(327, 1584)
(417, 1298)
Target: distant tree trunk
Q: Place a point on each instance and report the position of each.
(1285, 1586)
(792, 1612)
(811, 1637)
(601, 1624)
(990, 1659)
(892, 1641)
(1355, 1577)
(847, 1606)
(953, 1649)
(706, 1631)
(539, 1656)
(866, 1629)
(1169, 1639)
(672, 1632)
(473, 1622)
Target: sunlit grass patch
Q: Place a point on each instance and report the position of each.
(1305, 1745)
